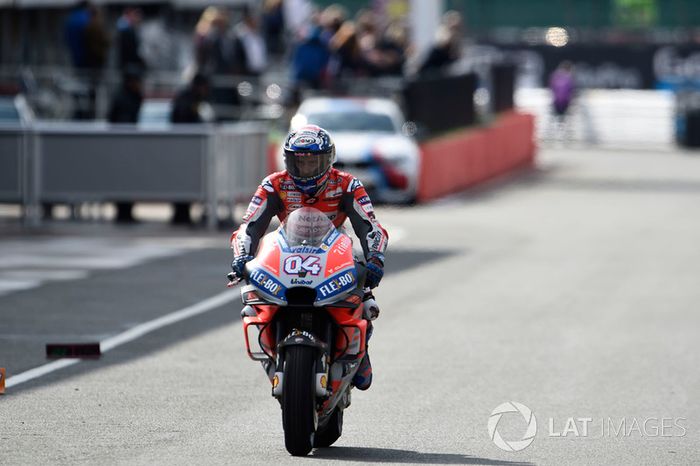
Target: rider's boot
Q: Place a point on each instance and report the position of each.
(363, 377)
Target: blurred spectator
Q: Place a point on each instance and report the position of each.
(250, 55)
(97, 42)
(561, 84)
(331, 19)
(448, 45)
(124, 108)
(128, 39)
(76, 39)
(345, 50)
(213, 54)
(388, 55)
(186, 105)
(74, 31)
(210, 42)
(126, 102)
(186, 108)
(297, 16)
(367, 36)
(309, 61)
(562, 87)
(273, 26)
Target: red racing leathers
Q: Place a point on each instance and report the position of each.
(343, 197)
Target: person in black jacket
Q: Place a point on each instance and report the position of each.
(125, 107)
(186, 104)
(129, 41)
(126, 102)
(186, 109)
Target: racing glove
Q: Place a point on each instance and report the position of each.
(238, 265)
(375, 271)
(370, 308)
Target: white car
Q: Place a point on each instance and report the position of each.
(370, 143)
(15, 110)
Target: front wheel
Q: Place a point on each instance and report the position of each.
(299, 400)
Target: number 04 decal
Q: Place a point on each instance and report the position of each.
(297, 264)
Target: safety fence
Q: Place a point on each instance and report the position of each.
(79, 163)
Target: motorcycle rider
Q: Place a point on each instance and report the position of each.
(311, 181)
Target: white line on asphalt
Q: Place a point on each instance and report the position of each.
(130, 335)
(39, 371)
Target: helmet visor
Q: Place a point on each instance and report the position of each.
(306, 165)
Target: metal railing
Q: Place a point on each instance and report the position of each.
(79, 163)
(606, 117)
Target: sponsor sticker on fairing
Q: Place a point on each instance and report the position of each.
(266, 283)
(336, 285)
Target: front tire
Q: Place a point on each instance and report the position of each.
(299, 400)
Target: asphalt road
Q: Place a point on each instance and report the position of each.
(572, 289)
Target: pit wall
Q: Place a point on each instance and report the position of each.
(464, 158)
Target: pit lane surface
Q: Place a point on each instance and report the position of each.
(572, 289)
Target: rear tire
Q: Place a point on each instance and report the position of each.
(332, 431)
(299, 400)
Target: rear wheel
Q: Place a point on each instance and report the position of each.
(332, 431)
(298, 400)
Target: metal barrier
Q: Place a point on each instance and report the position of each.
(76, 163)
(605, 117)
(13, 160)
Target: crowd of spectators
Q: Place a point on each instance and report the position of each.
(321, 49)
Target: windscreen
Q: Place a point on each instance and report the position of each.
(307, 227)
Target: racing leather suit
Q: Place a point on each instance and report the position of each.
(343, 197)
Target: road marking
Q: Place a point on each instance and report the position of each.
(30, 263)
(130, 335)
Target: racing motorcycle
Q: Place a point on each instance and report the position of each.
(302, 318)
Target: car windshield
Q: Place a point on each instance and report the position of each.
(8, 112)
(307, 227)
(353, 121)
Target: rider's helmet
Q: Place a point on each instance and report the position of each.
(309, 153)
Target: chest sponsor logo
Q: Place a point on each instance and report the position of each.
(333, 193)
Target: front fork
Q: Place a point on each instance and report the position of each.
(321, 367)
